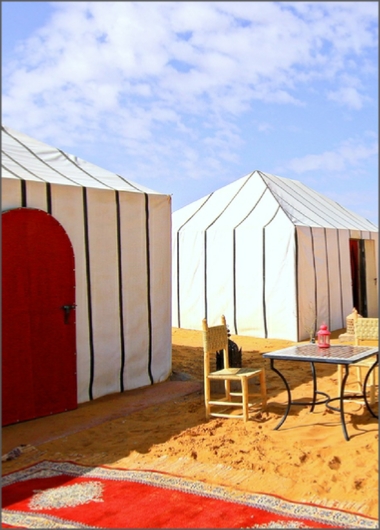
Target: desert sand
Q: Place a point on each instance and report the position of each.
(308, 459)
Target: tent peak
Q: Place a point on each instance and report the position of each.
(303, 206)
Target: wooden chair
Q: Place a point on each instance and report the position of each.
(366, 329)
(215, 338)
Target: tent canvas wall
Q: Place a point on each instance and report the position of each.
(270, 254)
(120, 234)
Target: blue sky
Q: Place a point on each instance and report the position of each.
(186, 97)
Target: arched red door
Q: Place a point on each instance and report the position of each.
(38, 335)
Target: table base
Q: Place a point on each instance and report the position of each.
(327, 399)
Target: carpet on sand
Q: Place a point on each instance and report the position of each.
(67, 495)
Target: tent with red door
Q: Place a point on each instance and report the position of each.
(86, 299)
(275, 257)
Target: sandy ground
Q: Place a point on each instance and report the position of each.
(308, 459)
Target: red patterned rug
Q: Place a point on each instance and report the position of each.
(67, 495)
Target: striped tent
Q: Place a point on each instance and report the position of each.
(275, 257)
(120, 304)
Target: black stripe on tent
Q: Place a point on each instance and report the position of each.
(23, 183)
(293, 207)
(120, 275)
(10, 171)
(52, 168)
(253, 208)
(339, 211)
(205, 271)
(310, 204)
(177, 286)
(20, 165)
(89, 301)
(83, 170)
(148, 286)
(328, 279)
(234, 277)
(355, 217)
(199, 209)
(346, 217)
(315, 274)
(296, 283)
(38, 158)
(93, 177)
(332, 214)
(263, 177)
(231, 201)
(264, 294)
(23, 193)
(178, 260)
(275, 197)
(129, 183)
(235, 258)
(340, 277)
(205, 238)
(48, 198)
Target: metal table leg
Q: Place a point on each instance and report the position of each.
(341, 401)
(290, 402)
(365, 387)
(314, 387)
(288, 392)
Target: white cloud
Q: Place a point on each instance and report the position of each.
(348, 154)
(363, 201)
(176, 79)
(347, 96)
(278, 46)
(264, 127)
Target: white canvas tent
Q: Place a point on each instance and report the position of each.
(120, 234)
(273, 256)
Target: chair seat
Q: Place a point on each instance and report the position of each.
(234, 373)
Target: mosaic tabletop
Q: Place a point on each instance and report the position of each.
(335, 354)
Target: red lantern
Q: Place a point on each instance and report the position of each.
(323, 337)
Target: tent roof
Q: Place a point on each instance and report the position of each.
(302, 205)
(25, 158)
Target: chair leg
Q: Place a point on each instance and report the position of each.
(244, 389)
(339, 378)
(263, 388)
(372, 386)
(372, 398)
(207, 391)
(359, 381)
(227, 388)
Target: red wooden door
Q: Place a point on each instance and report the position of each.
(38, 343)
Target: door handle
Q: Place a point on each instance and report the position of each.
(67, 309)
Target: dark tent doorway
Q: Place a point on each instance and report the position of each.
(358, 274)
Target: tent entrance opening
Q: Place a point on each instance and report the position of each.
(358, 275)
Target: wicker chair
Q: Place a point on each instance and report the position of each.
(366, 329)
(215, 338)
